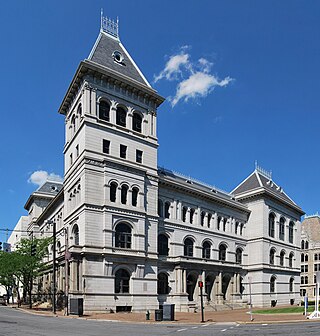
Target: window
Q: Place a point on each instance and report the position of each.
(202, 218)
(160, 208)
(271, 225)
(315, 257)
(121, 115)
(123, 151)
(291, 226)
(302, 257)
(206, 250)
(291, 260)
(163, 249)
(124, 194)
(282, 255)
(188, 248)
(236, 229)
(272, 284)
(122, 278)
(241, 229)
(281, 228)
(163, 287)
(137, 122)
(123, 236)
(184, 214)
(222, 252)
(209, 219)
(167, 210)
(135, 193)
(106, 146)
(218, 223)
(104, 109)
(75, 234)
(113, 191)
(191, 215)
(302, 244)
(239, 256)
(306, 258)
(139, 156)
(271, 256)
(224, 224)
(306, 245)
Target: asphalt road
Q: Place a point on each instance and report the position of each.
(17, 323)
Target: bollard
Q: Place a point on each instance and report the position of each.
(147, 315)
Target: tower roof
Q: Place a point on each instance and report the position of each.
(260, 182)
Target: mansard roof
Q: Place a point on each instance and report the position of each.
(260, 182)
(176, 180)
(103, 54)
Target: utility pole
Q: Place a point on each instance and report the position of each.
(54, 268)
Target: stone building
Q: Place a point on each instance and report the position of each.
(310, 255)
(137, 235)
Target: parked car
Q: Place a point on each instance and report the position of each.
(3, 300)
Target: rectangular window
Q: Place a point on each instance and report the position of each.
(123, 151)
(106, 146)
(139, 156)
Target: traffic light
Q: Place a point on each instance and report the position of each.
(33, 249)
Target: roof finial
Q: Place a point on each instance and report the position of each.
(255, 164)
(101, 19)
(109, 26)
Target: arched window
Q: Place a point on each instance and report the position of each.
(209, 219)
(291, 282)
(302, 257)
(191, 215)
(291, 227)
(239, 256)
(241, 229)
(163, 249)
(167, 209)
(75, 234)
(137, 122)
(184, 214)
(302, 244)
(218, 223)
(282, 255)
(222, 252)
(291, 259)
(236, 228)
(123, 236)
(273, 284)
(306, 280)
(188, 247)
(122, 279)
(79, 110)
(160, 208)
(271, 256)
(271, 225)
(206, 250)
(281, 228)
(121, 115)
(306, 258)
(163, 287)
(306, 245)
(224, 224)
(124, 194)
(202, 217)
(113, 191)
(135, 192)
(104, 109)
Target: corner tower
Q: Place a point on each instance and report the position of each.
(111, 181)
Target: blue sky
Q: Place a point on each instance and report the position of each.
(261, 103)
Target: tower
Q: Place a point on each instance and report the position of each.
(111, 180)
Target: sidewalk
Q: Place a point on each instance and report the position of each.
(240, 316)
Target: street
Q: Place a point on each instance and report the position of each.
(17, 323)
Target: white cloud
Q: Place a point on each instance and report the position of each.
(173, 67)
(195, 79)
(39, 177)
(199, 84)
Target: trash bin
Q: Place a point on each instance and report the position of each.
(168, 312)
(76, 306)
(158, 315)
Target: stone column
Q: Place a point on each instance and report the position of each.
(118, 196)
(199, 216)
(215, 221)
(174, 209)
(129, 117)
(188, 215)
(113, 111)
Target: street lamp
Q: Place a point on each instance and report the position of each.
(54, 226)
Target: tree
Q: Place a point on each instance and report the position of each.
(23, 265)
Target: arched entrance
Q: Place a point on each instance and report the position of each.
(209, 286)
(225, 286)
(191, 285)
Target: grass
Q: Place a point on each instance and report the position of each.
(284, 310)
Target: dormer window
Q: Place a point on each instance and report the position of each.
(117, 57)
